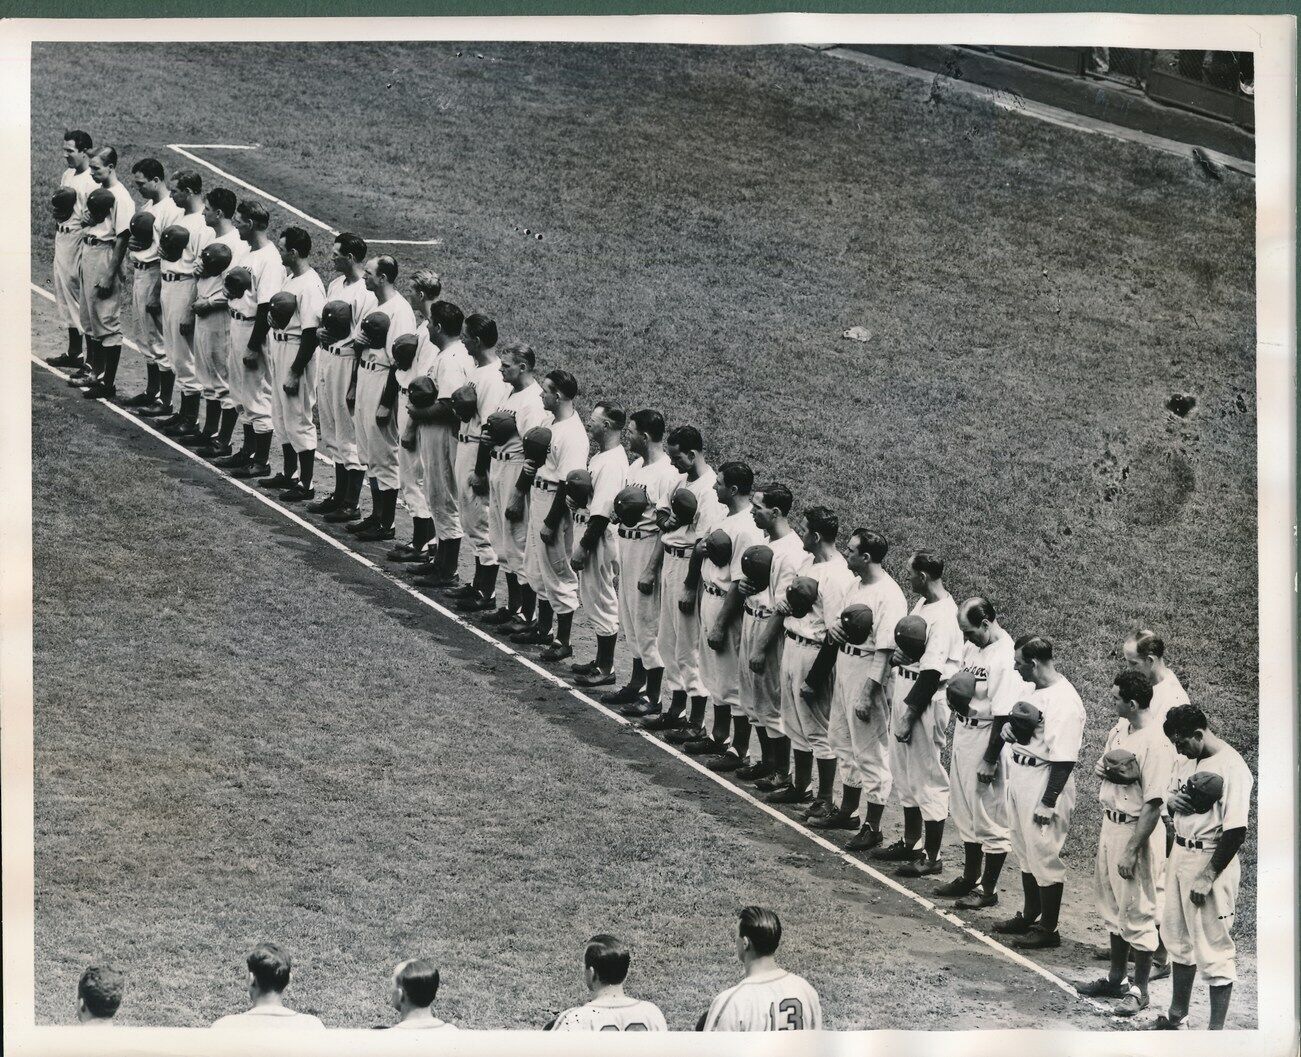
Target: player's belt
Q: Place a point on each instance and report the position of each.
(635, 533)
(804, 640)
(543, 485)
(91, 240)
(466, 438)
(580, 517)
(1026, 761)
(506, 456)
(759, 612)
(1118, 816)
(967, 721)
(240, 316)
(678, 552)
(284, 335)
(1196, 845)
(710, 589)
(854, 651)
(67, 229)
(908, 673)
(343, 348)
(176, 277)
(371, 365)
(139, 265)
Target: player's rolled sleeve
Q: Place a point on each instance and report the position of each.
(1237, 797)
(1063, 734)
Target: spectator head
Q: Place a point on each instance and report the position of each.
(605, 961)
(99, 993)
(268, 970)
(415, 984)
(758, 933)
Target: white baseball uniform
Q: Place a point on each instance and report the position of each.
(547, 565)
(1128, 905)
(67, 250)
(759, 693)
(147, 278)
(1038, 849)
(771, 1001)
(268, 1018)
(490, 391)
(509, 537)
(807, 723)
(639, 614)
(178, 292)
(411, 463)
(338, 437)
(212, 331)
(100, 316)
(597, 595)
(291, 416)
(626, 1014)
(1166, 694)
(438, 445)
(377, 443)
(250, 387)
(916, 768)
(679, 633)
(720, 669)
(862, 747)
(1202, 935)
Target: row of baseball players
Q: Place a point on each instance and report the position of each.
(768, 998)
(719, 598)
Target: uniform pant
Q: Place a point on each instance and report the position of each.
(1127, 906)
(250, 387)
(291, 416)
(759, 693)
(377, 445)
(149, 328)
(211, 351)
(411, 470)
(806, 723)
(861, 747)
(67, 277)
(100, 318)
(438, 452)
(473, 508)
(178, 310)
(337, 440)
(1201, 935)
(720, 669)
(546, 565)
(979, 809)
(639, 614)
(508, 537)
(920, 779)
(596, 591)
(679, 632)
(1038, 849)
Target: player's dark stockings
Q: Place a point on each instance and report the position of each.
(1181, 989)
(290, 459)
(740, 735)
(74, 342)
(850, 796)
(528, 601)
(512, 592)
(1219, 1006)
(250, 442)
(340, 482)
(564, 627)
(698, 711)
(545, 616)
(803, 776)
(449, 551)
(654, 680)
(211, 417)
(422, 531)
(374, 499)
(356, 482)
(94, 354)
(1142, 969)
(229, 416)
(151, 379)
(971, 856)
(112, 355)
(722, 722)
(1033, 907)
(934, 838)
(677, 700)
(826, 779)
(1050, 898)
(781, 754)
(485, 581)
(1120, 959)
(263, 450)
(765, 746)
(306, 467)
(994, 861)
(166, 384)
(638, 677)
(388, 507)
(912, 826)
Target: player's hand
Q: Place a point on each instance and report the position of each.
(408, 441)
(529, 472)
(187, 329)
(899, 659)
(903, 735)
(665, 520)
(758, 663)
(863, 713)
(836, 634)
(154, 308)
(745, 589)
(1179, 804)
(250, 360)
(646, 585)
(200, 306)
(547, 535)
(780, 608)
(106, 286)
(515, 509)
(1128, 864)
(350, 402)
(382, 415)
(1100, 771)
(291, 387)
(688, 604)
(808, 694)
(578, 560)
(986, 772)
(478, 484)
(1005, 732)
(716, 639)
(1200, 890)
(1043, 814)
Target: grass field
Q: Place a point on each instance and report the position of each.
(713, 219)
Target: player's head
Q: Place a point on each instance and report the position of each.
(821, 527)
(1131, 692)
(647, 429)
(446, 318)
(683, 445)
(924, 568)
(268, 969)
(867, 547)
(426, 285)
(1186, 726)
(148, 176)
(607, 419)
(251, 216)
(605, 961)
(76, 148)
(219, 205)
(758, 933)
(1034, 658)
(103, 164)
(1145, 652)
(381, 271)
(517, 362)
(978, 621)
(480, 333)
(99, 993)
(771, 501)
(295, 245)
(734, 480)
(558, 388)
(347, 251)
(187, 187)
(415, 984)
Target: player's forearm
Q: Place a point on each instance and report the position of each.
(483, 455)
(1230, 841)
(558, 508)
(923, 690)
(306, 350)
(693, 569)
(731, 608)
(389, 397)
(656, 562)
(1148, 817)
(823, 665)
(120, 244)
(596, 526)
(261, 324)
(995, 746)
(1058, 773)
(442, 413)
(768, 632)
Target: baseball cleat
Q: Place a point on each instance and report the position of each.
(1132, 1004)
(1038, 939)
(726, 764)
(323, 506)
(898, 852)
(1165, 1022)
(556, 652)
(250, 469)
(278, 482)
(835, 820)
(789, 795)
(923, 867)
(1014, 926)
(865, 839)
(625, 695)
(343, 515)
(1160, 971)
(754, 772)
(959, 886)
(818, 809)
(297, 494)
(1104, 988)
(1102, 954)
(497, 617)
(640, 709)
(519, 622)
(81, 379)
(475, 604)
(405, 552)
(369, 521)
(682, 735)
(978, 900)
(376, 534)
(197, 439)
(229, 462)
(530, 636)
(665, 721)
(215, 451)
(140, 400)
(66, 360)
(776, 780)
(99, 391)
(582, 667)
(460, 590)
(157, 410)
(704, 747)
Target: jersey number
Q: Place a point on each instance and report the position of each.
(786, 1015)
(630, 1027)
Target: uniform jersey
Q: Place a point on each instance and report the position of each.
(210, 286)
(165, 213)
(200, 236)
(424, 1025)
(268, 273)
(1230, 811)
(789, 560)
(1057, 737)
(999, 685)
(886, 600)
(709, 511)
(568, 451)
(609, 470)
(355, 294)
(262, 1018)
(310, 292)
(1166, 694)
(83, 183)
(452, 370)
(771, 1001)
(490, 392)
(744, 534)
(118, 219)
(627, 1014)
(1156, 762)
(526, 407)
(401, 321)
(660, 479)
(944, 641)
(834, 582)
(424, 362)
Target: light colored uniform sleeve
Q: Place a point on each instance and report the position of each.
(716, 1020)
(1237, 795)
(569, 1020)
(310, 303)
(607, 481)
(1063, 732)
(268, 278)
(937, 646)
(1157, 767)
(572, 454)
(123, 210)
(450, 374)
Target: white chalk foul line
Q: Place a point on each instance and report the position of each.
(550, 677)
(184, 150)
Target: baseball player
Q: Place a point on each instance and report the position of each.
(334, 378)
(295, 317)
(1145, 652)
(1047, 727)
(805, 699)
(179, 289)
(678, 640)
(593, 556)
(1204, 868)
(1135, 768)
(415, 357)
(247, 367)
(639, 554)
(859, 728)
(550, 540)
(990, 688)
(769, 998)
(414, 988)
(67, 243)
(919, 719)
(605, 968)
(488, 390)
(268, 977)
(105, 232)
(507, 504)
(763, 634)
(212, 322)
(438, 443)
